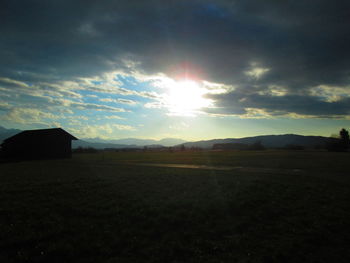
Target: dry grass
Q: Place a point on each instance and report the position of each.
(97, 208)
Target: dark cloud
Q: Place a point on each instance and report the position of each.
(237, 103)
(302, 43)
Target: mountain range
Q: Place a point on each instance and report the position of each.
(139, 142)
(99, 143)
(268, 141)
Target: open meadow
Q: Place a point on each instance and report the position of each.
(262, 206)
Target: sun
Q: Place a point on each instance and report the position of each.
(186, 97)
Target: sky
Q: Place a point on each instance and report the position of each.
(183, 69)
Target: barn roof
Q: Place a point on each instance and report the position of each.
(30, 134)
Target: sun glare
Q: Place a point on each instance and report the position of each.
(185, 97)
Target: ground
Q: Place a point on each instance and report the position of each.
(272, 206)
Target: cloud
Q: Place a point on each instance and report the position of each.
(104, 131)
(330, 93)
(4, 106)
(49, 96)
(155, 105)
(123, 101)
(126, 101)
(249, 45)
(256, 72)
(88, 106)
(124, 127)
(241, 103)
(113, 117)
(28, 116)
(43, 90)
(107, 100)
(121, 91)
(12, 83)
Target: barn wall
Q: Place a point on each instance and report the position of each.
(39, 148)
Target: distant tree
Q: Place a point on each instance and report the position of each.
(340, 144)
(257, 146)
(195, 149)
(85, 150)
(294, 147)
(344, 137)
(182, 147)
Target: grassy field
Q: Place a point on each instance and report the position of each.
(103, 208)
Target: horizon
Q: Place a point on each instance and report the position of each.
(216, 138)
(192, 70)
(185, 141)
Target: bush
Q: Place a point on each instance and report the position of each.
(257, 146)
(85, 150)
(340, 144)
(294, 147)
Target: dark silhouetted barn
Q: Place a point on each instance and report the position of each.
(38, 144)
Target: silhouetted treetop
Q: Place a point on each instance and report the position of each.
(344, 137)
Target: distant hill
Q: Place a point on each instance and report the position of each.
(269, 141)
(100, 145)
(138, 142)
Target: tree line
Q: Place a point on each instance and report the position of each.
(342, 144)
